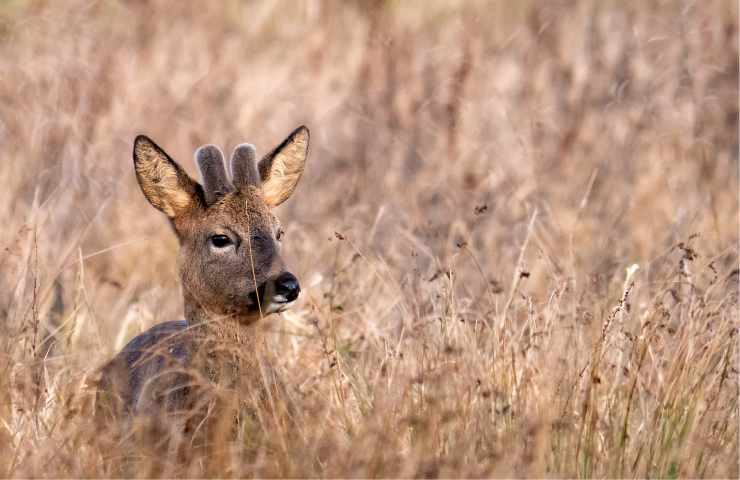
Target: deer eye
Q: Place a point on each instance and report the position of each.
(220, 241)
(279, 234)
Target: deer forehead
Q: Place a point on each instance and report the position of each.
(243, 210)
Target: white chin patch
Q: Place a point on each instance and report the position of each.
(276, 306)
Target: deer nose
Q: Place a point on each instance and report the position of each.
(286, 285)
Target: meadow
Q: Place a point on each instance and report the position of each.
(517, 234)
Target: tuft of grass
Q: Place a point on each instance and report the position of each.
(517, 235)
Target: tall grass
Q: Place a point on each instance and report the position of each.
(517, 236)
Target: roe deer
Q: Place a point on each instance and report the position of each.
(230, 269)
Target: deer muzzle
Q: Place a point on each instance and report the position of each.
(277, 294)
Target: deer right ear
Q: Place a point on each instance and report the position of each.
(167, 187)
(281, 169)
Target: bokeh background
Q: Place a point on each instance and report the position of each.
(517, 232)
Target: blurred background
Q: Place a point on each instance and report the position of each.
(480, 172)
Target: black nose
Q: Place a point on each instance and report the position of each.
(287, 285)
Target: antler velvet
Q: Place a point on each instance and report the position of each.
(244, 166)
(216, 184)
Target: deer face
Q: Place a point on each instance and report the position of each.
(230, 240)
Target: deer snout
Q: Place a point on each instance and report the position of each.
(279, 293)
(286, 287)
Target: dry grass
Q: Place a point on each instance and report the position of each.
(517, 236)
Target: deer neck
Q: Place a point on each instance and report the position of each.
(228, 347)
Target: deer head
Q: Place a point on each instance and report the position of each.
(229, 258)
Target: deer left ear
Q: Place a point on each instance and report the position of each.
(281, 169)
(167, 187)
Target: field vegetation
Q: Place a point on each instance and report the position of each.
(517, 235)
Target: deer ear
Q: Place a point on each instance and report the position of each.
(281, 169)
(167, 187)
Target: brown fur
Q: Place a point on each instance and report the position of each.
(213, 285)
(226, 286)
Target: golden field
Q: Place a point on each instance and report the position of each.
(517, 235)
